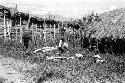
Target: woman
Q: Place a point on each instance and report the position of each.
(63, 46)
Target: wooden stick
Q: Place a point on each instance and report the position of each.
(36, 34)
(44, 31)
(10, 25)
(7, 23)
(62, 24)
(5, 27)
(8, 28)
(62, 31)
(20, 31)
(29, 21)
(16, 32)
(50, 26)
(58, 26)
(54, 32)
(32, 33)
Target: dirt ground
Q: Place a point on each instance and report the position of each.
(12, 71)
(17, 71)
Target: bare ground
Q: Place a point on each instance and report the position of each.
(12, 71)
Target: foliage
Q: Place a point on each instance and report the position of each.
(75, 70)
(82, 70)
(87, 22)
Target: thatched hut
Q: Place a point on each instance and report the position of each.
(110, 31)
(112, 25)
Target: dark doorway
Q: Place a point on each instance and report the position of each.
(26, 38)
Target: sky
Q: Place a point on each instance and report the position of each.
(68, 8)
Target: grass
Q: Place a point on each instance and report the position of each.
(2, 80)
(79, 70)
(75, 70)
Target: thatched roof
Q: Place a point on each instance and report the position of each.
(111, 25)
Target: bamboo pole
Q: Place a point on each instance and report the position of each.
(36, 28)
(62, 29)
(29, 21)
(16, 32)
(4, 27)
(40, 32)
(44, 32)
(7, 30)
(58, 26)
(32, 33)
(36, 35)
(62, 24)
(50, 26)
(10, 25)
(7, 23)
(54, 32)
(20, 31)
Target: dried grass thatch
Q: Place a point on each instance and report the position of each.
(111, 25)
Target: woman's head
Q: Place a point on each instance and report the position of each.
(62, 39)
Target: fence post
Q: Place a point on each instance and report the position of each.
(4, 27)
(16, 32)
(58, 27)
(10, 24)
(20, 32)
(50, 26)
(32, 33)
(44, 32)
(7, 28)
(54, 32)
(36, 35)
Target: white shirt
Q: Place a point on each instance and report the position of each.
(60, 43)
(65, 44)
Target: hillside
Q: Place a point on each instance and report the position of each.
(57, 17)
